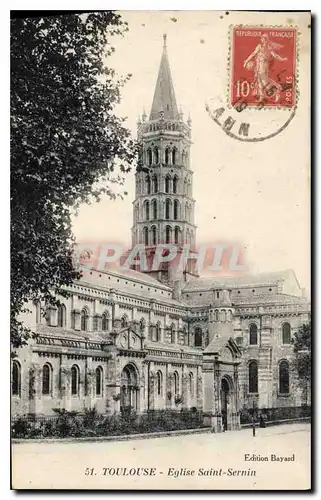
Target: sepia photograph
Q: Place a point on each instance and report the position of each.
(160, 325)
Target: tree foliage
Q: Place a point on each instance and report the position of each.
(302, 350)
(67, 145)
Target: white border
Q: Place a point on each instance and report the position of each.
(292, 5)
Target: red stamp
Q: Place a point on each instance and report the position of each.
(263, 67)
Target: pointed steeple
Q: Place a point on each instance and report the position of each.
(164, 96)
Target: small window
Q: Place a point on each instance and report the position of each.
(217, 295)
(95, 323)
(175, 183)
(253, 335)
(145, 236)
(176, 383)
(167, 183)
(46, 379)
(159, 383)
(286, 333)
(16, 378)
(191, 385)
(62, 316)
(198, 337)
(74, 380)
(167, 152)
(99, 381)
(105, 322)
(148, 184)
(84, 320)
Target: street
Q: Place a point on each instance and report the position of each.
(276, 458)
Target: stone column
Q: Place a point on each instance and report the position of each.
(35, 402)
(65, 386)
(169, 387)
(89, 383)
(217, 410)
(237, 422)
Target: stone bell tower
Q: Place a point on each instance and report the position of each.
(164, 207)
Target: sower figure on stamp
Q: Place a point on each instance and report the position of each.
(263, 56)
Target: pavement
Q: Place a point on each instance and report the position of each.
(276, 458)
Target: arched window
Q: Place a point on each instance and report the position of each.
(99, 381)
(154, 235)
(145, 230)
(155, 184)
(172, 333)
(124, 322)
(253, 377)
(168, 234)
(74, 380)
(167, 183)
(198, 337)
(176, 235)
(175, 183)
(216, 315)
(158, 332)
(284, 377)
(148, 184)
(84, 320)
(146, 207)
(167, 209)
(61, 313)
(154, 209)
(174, 156)
(176, 383)
(167, 152)
(149, 157)
(105, 322)
(156, 156)
(191, 384)
(176, 209)
(286, 333)
(253, 334)
(46, 379)
(16, 378)
(159, 383)
(95, 323)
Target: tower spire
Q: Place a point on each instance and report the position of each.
(164, 38)
(164, 95)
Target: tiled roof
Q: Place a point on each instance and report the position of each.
(56, 331)
(238, 281)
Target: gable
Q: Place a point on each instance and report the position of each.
(129, 339)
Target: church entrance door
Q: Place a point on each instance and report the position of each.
(225, 399)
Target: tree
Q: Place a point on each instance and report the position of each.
(302, 361)
(67, 145)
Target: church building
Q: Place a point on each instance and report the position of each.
(160, 339)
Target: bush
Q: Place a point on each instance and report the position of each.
(91, 423)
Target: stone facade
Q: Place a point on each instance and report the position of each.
(153, 340)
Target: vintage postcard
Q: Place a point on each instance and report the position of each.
(160, 293)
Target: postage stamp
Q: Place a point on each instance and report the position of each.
(263, 67)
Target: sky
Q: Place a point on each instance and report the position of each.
(253, 194)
